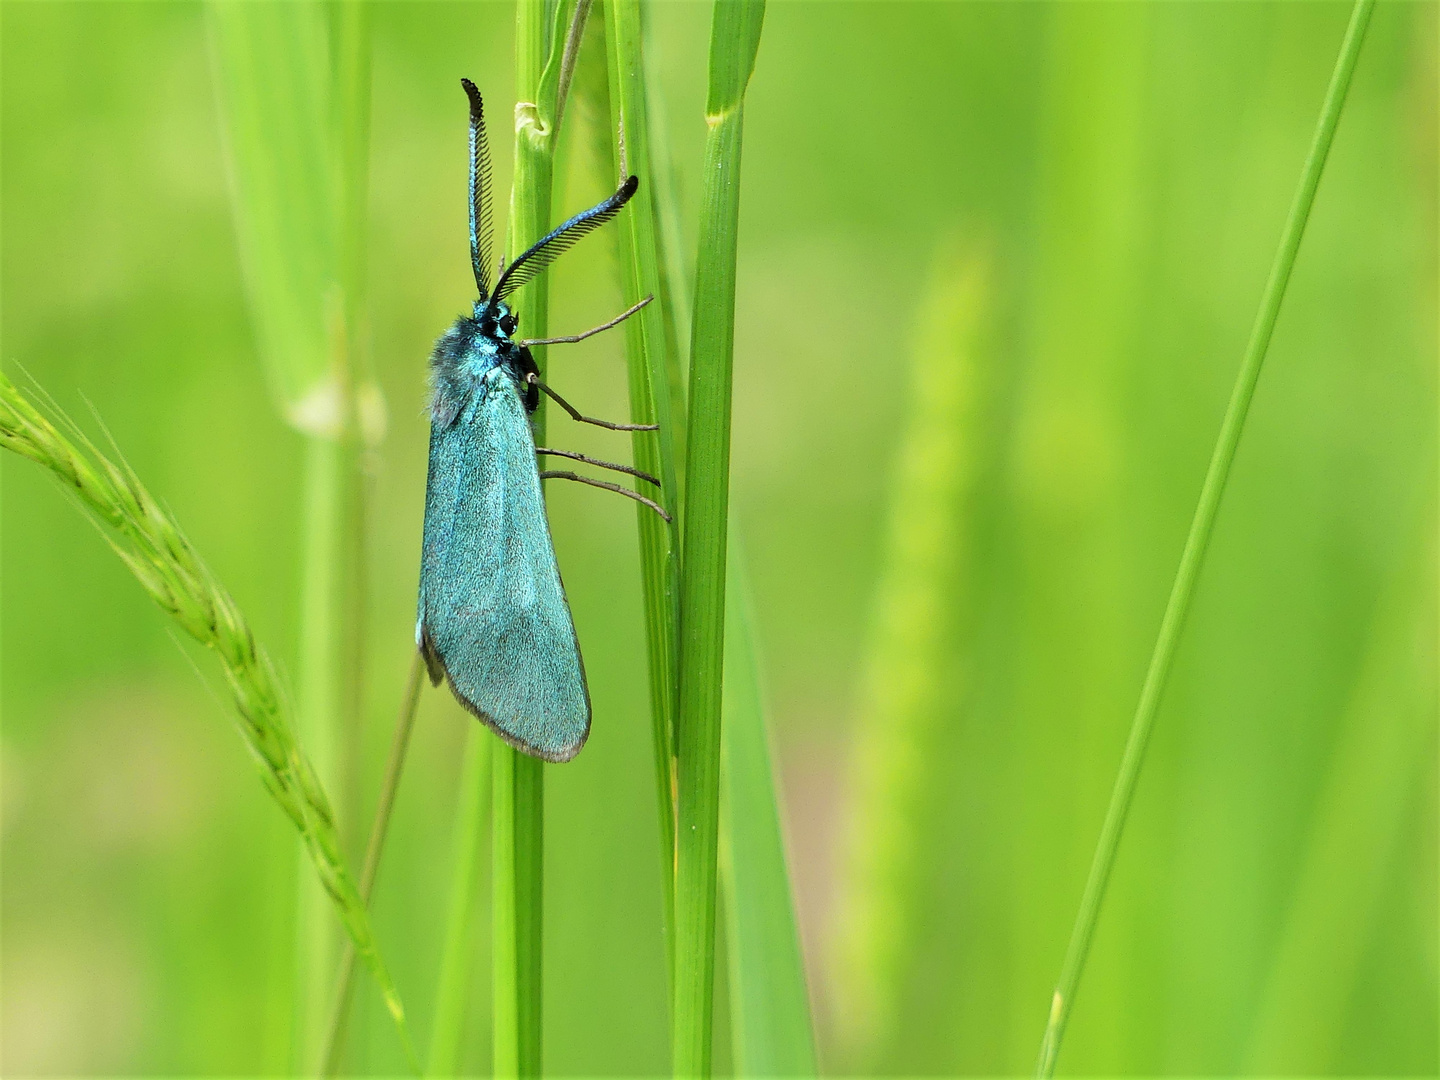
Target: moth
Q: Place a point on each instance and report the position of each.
(493, 619)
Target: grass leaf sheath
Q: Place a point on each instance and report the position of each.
(1198, 539)
(151, 544)
(734, 41)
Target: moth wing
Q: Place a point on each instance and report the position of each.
(494, 619)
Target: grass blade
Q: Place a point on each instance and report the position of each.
(675, 284)
(734, 41)
(649, 355)
(769, 1002)
(151, 544)
(772, 1027)
(1198, 539)
(272, 63)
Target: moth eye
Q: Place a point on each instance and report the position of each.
(507, 323)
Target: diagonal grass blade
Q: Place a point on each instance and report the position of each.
(1198, 539)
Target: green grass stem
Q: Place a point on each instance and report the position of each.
(1198, 539)
(147, 539)
(769, 1003)
(734, 41)
(318, 691)
(545, 52)
(650, 356)
(363, 421)
(273, 75)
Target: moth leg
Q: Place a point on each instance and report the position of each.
(529, 368)
(573, 338)
(542, 450)
(534, 380)
(546, 475)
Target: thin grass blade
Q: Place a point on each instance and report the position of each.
(1198, 540)
(273, 68)
(333, 1050)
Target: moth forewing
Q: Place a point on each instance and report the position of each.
(494, 616)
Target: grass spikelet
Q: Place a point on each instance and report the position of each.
(151, 544)
(904, 695)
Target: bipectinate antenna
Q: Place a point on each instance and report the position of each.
(481, 217)
(551, 246)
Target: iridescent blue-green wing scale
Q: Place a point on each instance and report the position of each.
(494, 620)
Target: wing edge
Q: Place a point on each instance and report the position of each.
(435, 662)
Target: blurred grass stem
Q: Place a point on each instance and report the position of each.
(295, 85)
(334, 1046)
(896, 758)
(1196, 543)
(318, 718)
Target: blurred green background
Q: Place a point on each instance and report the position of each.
(1111, 180)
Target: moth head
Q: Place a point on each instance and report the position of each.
(495, 319)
